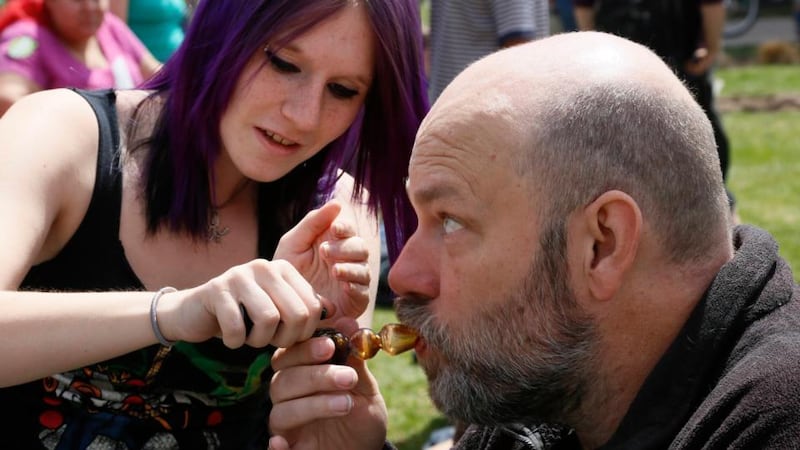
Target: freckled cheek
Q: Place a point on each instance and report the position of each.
(338, 120)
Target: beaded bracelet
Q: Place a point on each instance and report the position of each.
(154, 317)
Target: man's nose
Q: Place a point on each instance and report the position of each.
(416, 271)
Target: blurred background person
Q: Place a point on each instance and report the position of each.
(686, 34)
(47, 44)
(463, 31)
(565, 15)
(796, 12)
(160, 24)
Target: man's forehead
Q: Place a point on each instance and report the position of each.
(465, 139)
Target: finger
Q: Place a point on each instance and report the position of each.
(315, 223)
(278, 443)
(298, 307)
(260, 310)
(352, 249)
(230, 320)
(358, 295)
(303, 381)
(303, 316)
(343, 227)
(312, 351)
(292, 414)
(356, 273)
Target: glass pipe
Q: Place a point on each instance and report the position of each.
(393, 338)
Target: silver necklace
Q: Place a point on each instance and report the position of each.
(215, 231)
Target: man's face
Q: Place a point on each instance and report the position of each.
(502, 338)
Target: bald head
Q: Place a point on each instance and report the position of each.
(578, 114)
(557, 65)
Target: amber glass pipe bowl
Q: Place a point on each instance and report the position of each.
(393, 338)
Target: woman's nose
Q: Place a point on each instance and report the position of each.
(304, 109)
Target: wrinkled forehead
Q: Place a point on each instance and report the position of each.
(467, 146)
(483, 127)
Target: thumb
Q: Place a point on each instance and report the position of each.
(316, 222)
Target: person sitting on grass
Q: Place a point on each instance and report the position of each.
(574, 277)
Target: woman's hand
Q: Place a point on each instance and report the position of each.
(324, 406)
(320, 264)
(326, 249)
(277, 299)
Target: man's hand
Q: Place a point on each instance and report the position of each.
(701, 62)
(320, 406)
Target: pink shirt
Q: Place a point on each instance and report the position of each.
(33, 51)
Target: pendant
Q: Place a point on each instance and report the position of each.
(215, 231)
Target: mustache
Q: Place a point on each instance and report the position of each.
(414, 311)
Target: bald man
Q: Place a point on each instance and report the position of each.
(574, 265)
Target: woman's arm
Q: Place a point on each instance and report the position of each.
(149, 65)
(48, 154)
(48, 157)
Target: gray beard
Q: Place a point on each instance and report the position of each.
(526, 361)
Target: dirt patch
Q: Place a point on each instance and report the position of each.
(764, 103)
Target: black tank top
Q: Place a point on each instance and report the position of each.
(195, 396)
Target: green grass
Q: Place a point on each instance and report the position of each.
(412, 416)
(765, 155)
(764, 175)
(759, 80)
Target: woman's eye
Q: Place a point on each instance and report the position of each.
(281, 65)
(340, 91)
(450, 225)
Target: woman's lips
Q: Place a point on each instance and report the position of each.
(276, 142)
(279, 139)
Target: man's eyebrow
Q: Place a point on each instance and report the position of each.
(431, 192)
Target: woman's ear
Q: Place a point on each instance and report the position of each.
(608, 231)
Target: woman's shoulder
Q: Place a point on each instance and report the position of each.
(25, 38)
(55, 122)
(21, 27)
(27, 28)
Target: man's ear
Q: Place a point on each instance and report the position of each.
(609, 231)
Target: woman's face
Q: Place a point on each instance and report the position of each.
(76, 20)
(307, 95)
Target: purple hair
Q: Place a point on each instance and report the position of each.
(197, 82)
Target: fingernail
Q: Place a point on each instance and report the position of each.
(341, 404)
(320, 348)
(344, 378)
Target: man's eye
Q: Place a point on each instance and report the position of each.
(279, 64)
(340, 91)
(451, 225)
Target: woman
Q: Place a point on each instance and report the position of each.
(158, 23)
(47, 44)
(182, 205)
